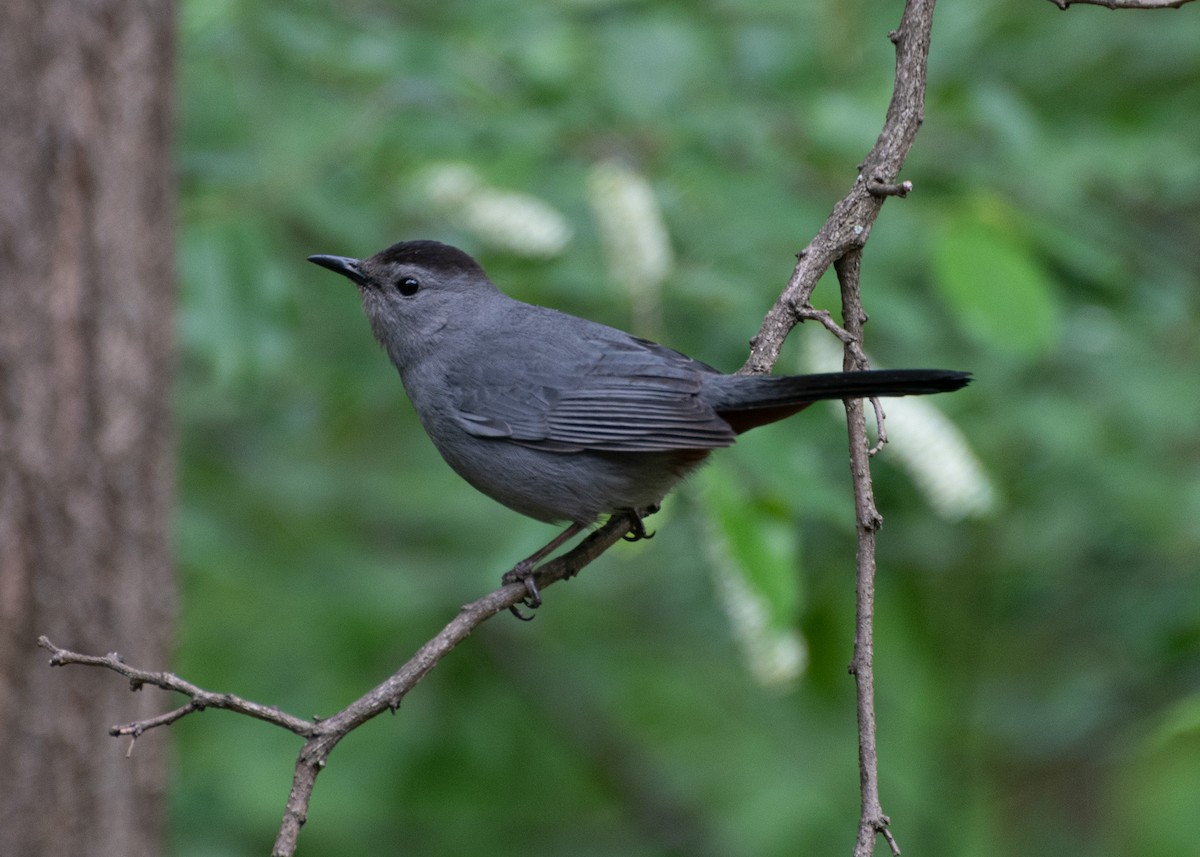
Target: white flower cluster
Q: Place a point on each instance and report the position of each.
(775, 656)
(507, 220)
(924, 441)
(631, 225)
(938, 459)
(636, 244)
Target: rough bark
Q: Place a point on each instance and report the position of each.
(86, 292)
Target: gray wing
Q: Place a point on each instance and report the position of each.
(593, 388)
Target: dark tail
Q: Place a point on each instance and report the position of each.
(746, 401)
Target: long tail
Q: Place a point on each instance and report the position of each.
(746, 401)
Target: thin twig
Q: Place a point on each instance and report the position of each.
(861, 363)
(810, 313)
(200, 699)
(1123, 4)
(880, 425)
(872, 820)
(878, 188)
(137, 728)
(839, 243)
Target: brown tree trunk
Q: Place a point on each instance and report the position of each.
(86, 294)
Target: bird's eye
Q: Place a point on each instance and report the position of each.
(408, 287)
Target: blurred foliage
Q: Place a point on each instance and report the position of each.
(1038, 668)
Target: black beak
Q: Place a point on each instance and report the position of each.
(350, 268)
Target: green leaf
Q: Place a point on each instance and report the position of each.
(755, 558)
(997, 287)
(761, 547)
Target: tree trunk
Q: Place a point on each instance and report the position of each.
(86, 295)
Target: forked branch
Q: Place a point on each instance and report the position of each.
(322, 735)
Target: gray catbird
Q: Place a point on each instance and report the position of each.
(557, 417)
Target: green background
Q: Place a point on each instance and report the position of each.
(1038, 662)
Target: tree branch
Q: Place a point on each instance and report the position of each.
(872, 821)
(1123, 4)
(200, 699)
(849, 225)
(839, 243)
(322, 735)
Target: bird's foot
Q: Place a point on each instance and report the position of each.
(522, 572)
(637, 529)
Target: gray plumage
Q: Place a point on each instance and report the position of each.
(557, 417)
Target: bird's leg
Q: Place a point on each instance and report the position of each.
(637, 529)
(522, 572)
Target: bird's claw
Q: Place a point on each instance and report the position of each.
(637, 529)
(523, 573)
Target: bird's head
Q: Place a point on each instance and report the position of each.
(415, 291)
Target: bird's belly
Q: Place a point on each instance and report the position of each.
(567, 486)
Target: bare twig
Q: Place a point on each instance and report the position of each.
(880, 425)
(852, 346)
(1123, 4)
(872, 820)
(200, 699)
(878, 188)
(322, 735)
(839, 243)
(810, 313)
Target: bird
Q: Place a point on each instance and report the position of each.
(563, 419)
